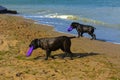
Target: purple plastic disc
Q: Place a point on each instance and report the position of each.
(29, 51)
(70, 29)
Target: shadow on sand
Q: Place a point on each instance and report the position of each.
(75, 55)
(78, 55)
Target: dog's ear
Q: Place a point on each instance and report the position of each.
(74, 24)
(34, 43)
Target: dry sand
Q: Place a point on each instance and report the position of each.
(93, 60)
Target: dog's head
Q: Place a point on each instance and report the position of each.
(72, 26)
(35, 43)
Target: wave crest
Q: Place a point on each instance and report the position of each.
(92, 21)
(69, 17)
(73, 17)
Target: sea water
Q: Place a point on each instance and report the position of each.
(102, 14)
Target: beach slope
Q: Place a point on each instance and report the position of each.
(93, 59)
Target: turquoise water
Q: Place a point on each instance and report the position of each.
(108, 3)
(102, 14)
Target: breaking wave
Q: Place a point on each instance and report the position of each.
(83, 19)
(73, 17)
(69, 17)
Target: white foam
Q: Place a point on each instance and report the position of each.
(73, 17)
(70, 17)
(35, 16)
(116, 43)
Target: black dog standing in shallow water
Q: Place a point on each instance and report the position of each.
(82, 29)
(52, 44)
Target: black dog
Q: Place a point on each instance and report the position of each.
(52, 44)
(83, 29)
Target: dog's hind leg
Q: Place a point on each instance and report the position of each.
(66, 48)
(79, 34)
(92, 35)
(64, 55)
(62, 48)
(47, 54)
(70, 54)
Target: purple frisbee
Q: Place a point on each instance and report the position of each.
(29, 51)
(69, 29)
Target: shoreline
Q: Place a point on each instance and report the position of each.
(95, 60)
(36, 22)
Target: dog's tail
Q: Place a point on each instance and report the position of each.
(72, 37)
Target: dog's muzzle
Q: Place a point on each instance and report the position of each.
(69, 29)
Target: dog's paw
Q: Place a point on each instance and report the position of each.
(46, 58)
(53, 57)
(71, 58)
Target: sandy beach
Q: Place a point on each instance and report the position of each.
(93, 59)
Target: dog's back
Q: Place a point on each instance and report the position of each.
(55, 43)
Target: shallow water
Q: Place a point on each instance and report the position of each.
(102, 14)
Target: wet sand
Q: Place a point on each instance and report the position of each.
(93, 59)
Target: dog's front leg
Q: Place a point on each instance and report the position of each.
(47, 54)
(79, 34)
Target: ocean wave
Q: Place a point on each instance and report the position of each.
(34, 16)
(69, 17)
(97, 22)
(76, 18)
(73, 17)
(92, 21)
